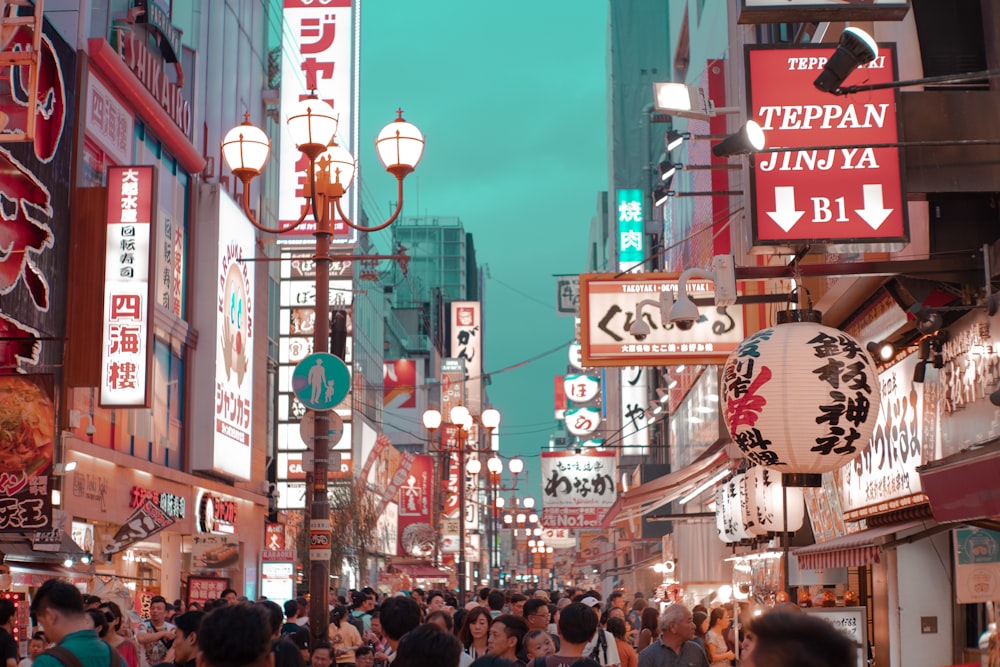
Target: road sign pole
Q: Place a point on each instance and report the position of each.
(319, 509)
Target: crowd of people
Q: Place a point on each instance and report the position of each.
(417, 629)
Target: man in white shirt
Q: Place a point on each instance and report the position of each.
(602, 647)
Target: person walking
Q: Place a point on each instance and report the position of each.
(474, 632)
(127, 647)
(344, 637)
(782, 639)
(58, 608)
(675, 645)
(618, 629)
(156, 635)
(716, 647)
(649, 630)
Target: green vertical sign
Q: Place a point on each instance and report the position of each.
(631, 238)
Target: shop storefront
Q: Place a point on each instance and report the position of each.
(164, 533)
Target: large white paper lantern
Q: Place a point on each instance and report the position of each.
(728, 514)
(800, 398)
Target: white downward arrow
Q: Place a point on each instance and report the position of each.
(873, 213)
(784, 213)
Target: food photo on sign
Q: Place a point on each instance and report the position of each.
(27, 434)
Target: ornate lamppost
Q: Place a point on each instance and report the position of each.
(463, 421)
(312, 125)
(495, 470)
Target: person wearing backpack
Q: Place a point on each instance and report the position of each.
(602, 647)
(58, 608)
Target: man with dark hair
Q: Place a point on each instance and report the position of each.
(505, 636)
(58, 608)
(398, 615)
(428, 645)
(156, 635)
(577, 624)
(8, 647)
(236, 635)
(495, 601)
(435, 601)
(537, 616)
(290, 627)
(784, 639)
(616, 600)
(517, 601)
(321, 655)
(186, 641)
(602, 647)
(274, 615)
(230, 596)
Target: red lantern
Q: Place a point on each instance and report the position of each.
(800, 398)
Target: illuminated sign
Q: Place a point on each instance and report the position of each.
(608, 307)
(318, 48)
(631, 237)
(126, 332)
(172, 505)
(842, 189)
(148, 69)
(216, 515)
(467, 345)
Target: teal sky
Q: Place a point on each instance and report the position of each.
(511, 100)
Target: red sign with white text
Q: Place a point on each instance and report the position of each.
(842, 189)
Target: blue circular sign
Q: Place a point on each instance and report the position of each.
(321, 381)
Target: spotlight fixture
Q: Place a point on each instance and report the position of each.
(667, 170)
(661, 194)
(68, 562)
(928, 321)
(856, 48)
(749, 139)
(882, 351)
(672, 139)
(63, 468)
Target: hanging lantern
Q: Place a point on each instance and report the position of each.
(582, 421)
(753, 523)
(581, 388)
(800, 398)
(728, 515)
(767, 503)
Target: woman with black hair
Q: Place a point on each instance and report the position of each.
(344, 637)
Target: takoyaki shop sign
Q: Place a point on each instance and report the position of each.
(216, 514)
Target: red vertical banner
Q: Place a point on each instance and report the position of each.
(416, 534)
(560, 394)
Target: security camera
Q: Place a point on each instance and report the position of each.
(90, 430)
(684, 313)
(639, 329)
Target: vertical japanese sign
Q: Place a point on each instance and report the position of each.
(839, 188)
(318, 55)
(29, 419)
(467, 345)
(578, 488)
(127, 334)
(631, 246)
(234, 340)
(634, 393)
(109, 123)
(416, 534)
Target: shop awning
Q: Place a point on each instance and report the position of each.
(963, 487)
(17, 548)
(421, 571)
(653, 495)
(864, 547)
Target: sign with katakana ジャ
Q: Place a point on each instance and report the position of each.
(578, 489)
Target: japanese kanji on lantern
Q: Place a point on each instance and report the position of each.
(800, 398)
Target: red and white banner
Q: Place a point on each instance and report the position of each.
(416, 534)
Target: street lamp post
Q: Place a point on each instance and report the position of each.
(495, 468)
(462, 419)
(312, 125)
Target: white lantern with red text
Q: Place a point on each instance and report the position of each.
(800, 398)
(582, 421)
(581, 388)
